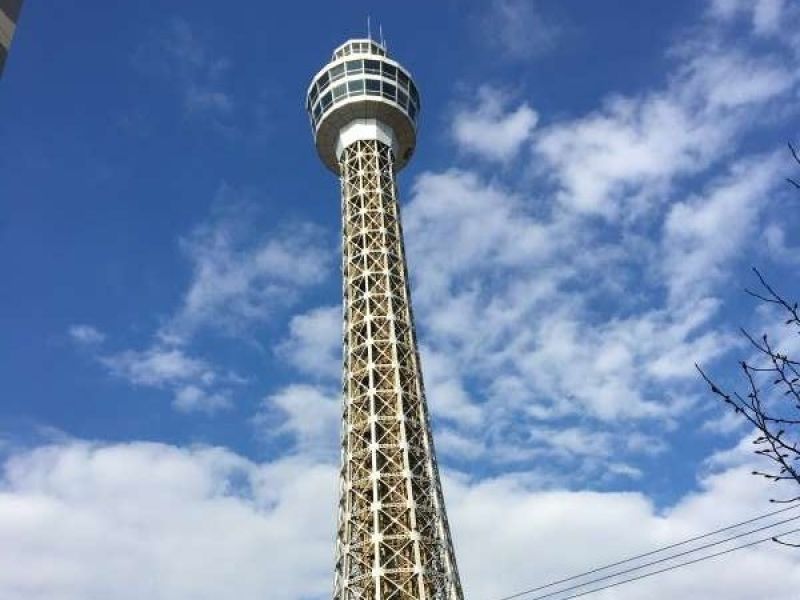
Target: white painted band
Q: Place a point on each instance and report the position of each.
(365, 129)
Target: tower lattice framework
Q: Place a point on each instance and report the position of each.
(393, 537)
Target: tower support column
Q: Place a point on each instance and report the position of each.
(393, 538)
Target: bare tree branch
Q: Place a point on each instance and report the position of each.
(797, 160)
(782, 543)
(770, 400)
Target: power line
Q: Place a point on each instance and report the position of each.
(673, 567)
(658, 551)
(661, 560)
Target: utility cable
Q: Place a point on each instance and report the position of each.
(673, 567)
(659, 550)
(660, 560)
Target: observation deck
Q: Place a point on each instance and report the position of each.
(363, 94)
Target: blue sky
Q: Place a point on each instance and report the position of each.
(592, 183)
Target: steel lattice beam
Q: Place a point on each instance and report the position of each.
(393, 540)
(393, 537)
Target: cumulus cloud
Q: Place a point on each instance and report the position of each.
(583, 310)
(766, 15)
(158, 366)
(605, 527)
(83, 520)
(239, 276)
(618, 160)
(480, 257)
(515, 349)
(310, 415)
(704, 232)
(491, 129)
(314, 343)
(774, 239)
(444, 385)
(192, 398)
(194, 382)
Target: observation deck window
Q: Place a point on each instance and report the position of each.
(322, 81)
(373, 86)
(356, 87)
(389, 91)
(390, 71)
(326, 101)
(337, 72)
(402, 79)
(412, 111)
(372, 66)
(339, 91)
(354, 66)
(359, 47)
(402, 98)
(414, 95)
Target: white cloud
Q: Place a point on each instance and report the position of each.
(196, 384)
(766, 15)
(176, 53)
(314, 345)
(497, 292)
(518, 29)
(624, 470)
(774, 238)
(159, 366)
(617, 160)
(492, 130)
(481, 224)
(508, 343)
(452, 444)
(513, 348)
(610, 369)
(724, 422)
(546, 318)
(191, 398)
(86, 334)
(446, 391)
(311, 415)
(148, 520)
(604, 527)
(573, 441)
(84, 520)
(731, 79)
(238, 278)
(702, 234)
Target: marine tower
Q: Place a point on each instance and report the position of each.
(393, 541)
